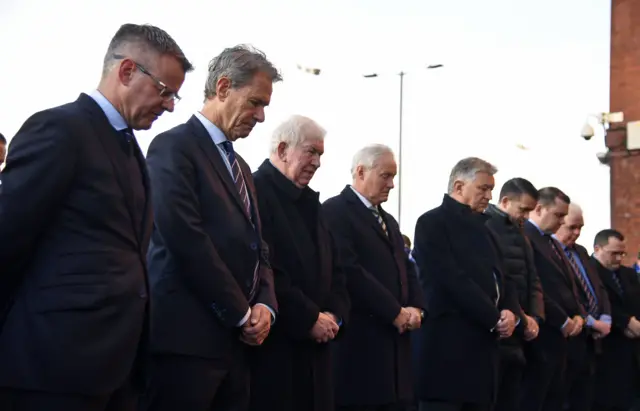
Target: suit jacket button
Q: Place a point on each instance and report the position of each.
(254, 246)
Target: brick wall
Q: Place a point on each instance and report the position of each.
(625, 97)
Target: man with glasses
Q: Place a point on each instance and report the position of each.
(617, 367)
(75, 223)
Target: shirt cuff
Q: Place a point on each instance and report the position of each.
(273, 313)
(518, 322)
(590, 321)
(338, 320)
(565, 323)
(605, 318)
(245, 318)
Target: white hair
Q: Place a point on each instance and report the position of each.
(368, 157)
(467, 168)
(296, 130)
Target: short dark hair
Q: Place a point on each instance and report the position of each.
(147, 36)
(407, 240)
(517, 187)
(547, 196)
(2, 139)
(602, 238)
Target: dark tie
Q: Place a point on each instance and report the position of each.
(592, 304)
(554, 246)
(127, 133)
(238, 179)
(616, 280)
(376, 214)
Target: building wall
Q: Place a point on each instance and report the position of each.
(625, 97)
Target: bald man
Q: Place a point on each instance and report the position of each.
(595, 301)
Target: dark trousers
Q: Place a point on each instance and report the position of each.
(123, 399)
(543, 383)
(580, 381)
(509, 384)
(391, 407)
(446, 406)
(179, 382)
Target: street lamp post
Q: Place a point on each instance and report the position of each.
(316, 72)
(400, 119)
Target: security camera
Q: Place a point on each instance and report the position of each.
(604, 158)
(587, 132)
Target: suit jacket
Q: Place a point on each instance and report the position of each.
(617, 367)
(74, 250)
(372, 361)
(461, 271)
(204, 249)
(560, 297)
(290, 371)
(600, 290)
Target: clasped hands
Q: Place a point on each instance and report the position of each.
(326, 328)
(573, 326)
(532, 329)
(506, 324)
(633, 328)
(257, 327)
(410, 318)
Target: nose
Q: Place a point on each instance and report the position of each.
(259, 114)
(169, 105)
(391, 184)
(315, 161)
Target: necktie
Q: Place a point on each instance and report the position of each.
(554, 246)
(238, 179)
(127, 133)
(376, 214)
(616, 280)
(592, 304)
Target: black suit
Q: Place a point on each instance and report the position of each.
(202, 265)
(461, 270)
(581, 370)
(372, 361)
(617, 368)
(544, 384)
(291, 371)
(74, 229)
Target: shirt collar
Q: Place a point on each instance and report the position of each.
(216, 134)
(115, 118)
(537, 227)
(362, 198)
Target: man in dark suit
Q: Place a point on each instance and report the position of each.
(211, 284)
(75, 222)
(544, 386)
(580, 377)
(471, 304)
(518, 197)
(373, 361)
(617, 369)
(293, 370)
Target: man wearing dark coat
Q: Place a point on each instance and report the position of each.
(471, 304)
(373, 360)
(292, 370)
(617, 369)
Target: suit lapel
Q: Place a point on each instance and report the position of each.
(542, 244)
(364, 214)
(110, 140)
(213, 154)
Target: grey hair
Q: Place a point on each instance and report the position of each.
(466, 170)
(239, 64)
(140, 40)
(296, 130)
(368, 156)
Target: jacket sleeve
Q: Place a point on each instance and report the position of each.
(437, 263)
(536, 297)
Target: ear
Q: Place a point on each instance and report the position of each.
(596, 248)
(223, 86)
(457, 186)
(125, 71)
(538, 209)
(360, 172)
(504, 201)
(282, 151)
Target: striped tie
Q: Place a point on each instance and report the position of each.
(238, 179)
(376, 214)
(616, 280)
(592, 305)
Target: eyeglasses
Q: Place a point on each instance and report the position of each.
(165, 92)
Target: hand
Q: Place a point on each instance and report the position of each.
(532, 330)
(257, 327)
(629, 334)
(324, 329)
(579, 324)
(568, 328)
(634, 327)
(415, 319)
(601, 329)
(506, 324)
(402, 320)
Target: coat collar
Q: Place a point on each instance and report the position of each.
(286, 186)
